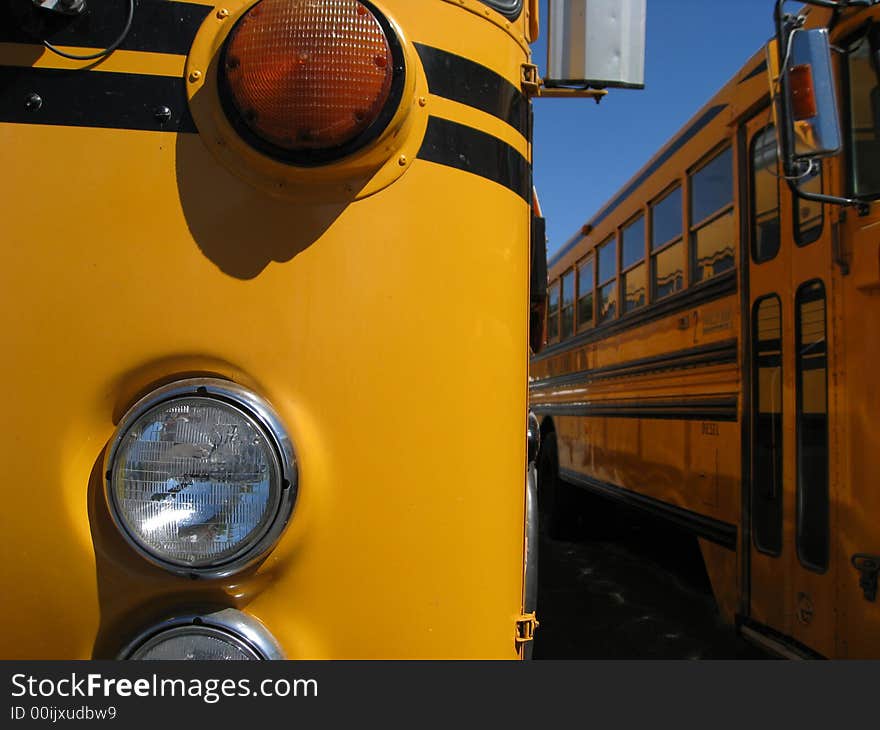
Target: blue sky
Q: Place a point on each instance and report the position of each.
(584, 153)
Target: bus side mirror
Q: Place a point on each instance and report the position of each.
(809, 98)
(596, 43)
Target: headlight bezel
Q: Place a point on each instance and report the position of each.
(245, 401)
(241, 630)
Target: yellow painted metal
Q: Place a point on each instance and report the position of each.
(390, 333)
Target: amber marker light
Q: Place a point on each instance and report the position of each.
(311, 81)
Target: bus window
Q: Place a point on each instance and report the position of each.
(567, 318)
(812, 426)
(767, 433)
(711, 221)
(634, 279)
(809, 216)
(765, 196)
(667, 250)
(864, 121)
(608, 280)
(585, 294)
(553, 312)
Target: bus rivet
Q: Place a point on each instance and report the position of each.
(222, 13)
(423, 101)
(162, 114)
(401, 160)
(195, 76)
(33, 102)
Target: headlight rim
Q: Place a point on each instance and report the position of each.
(259, 410)
(240, 627)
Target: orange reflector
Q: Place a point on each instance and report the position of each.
(308, 74)
(803, 96)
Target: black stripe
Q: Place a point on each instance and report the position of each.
(462, 80)
(94, 99)
(759, 69)
(716, 288)
(465, 148)
(704, 409)
(158, 26)
(720, 353)
(721, 533)
(674, 147)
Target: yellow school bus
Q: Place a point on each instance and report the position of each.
(712, 339)
(261, 261)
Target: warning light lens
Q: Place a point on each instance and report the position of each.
(308, 74)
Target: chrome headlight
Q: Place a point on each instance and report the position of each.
(201, 477)
(227, 635)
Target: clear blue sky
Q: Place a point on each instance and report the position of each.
(584, 153)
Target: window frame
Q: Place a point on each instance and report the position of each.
(590, 258)
(728, 208)
(774, 550)
(615, 280)
(801, 473)
(653, 253)
(555, 284)
(622, 272)
(573, 306)
(753, 219)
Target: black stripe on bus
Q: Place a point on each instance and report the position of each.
(460, 79)
(716, 288)
(701, 123)
(702, 409)
(718, 353)
(759, 69)
(465, 148)
(94, 99)
(721, 533)
(158, 26)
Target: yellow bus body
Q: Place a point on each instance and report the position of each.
(377, 325)
(658, 408)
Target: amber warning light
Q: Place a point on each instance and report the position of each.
(310, 81)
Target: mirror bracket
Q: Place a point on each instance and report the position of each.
(793, 168)
(533, 86)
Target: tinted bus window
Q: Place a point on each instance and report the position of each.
(765, 196)
(667, 257)
(553, 312)
(585, 294)
(634, 279)
(666, 219)
(809, 214)
(567, 317)
(712, 225)
(812, 426)
(607, 280)
(767, 424)
(864, 120)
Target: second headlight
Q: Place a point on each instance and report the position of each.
(201, 477)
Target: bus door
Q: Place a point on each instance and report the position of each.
(791, 589)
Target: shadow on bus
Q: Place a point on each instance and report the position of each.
(238, 227)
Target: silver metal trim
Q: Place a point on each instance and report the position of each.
(530, 590)
(252, 406)
(239, 628)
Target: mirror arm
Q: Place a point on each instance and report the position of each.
(839, 4)
(861, 206)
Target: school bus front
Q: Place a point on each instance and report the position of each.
(248, 326)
